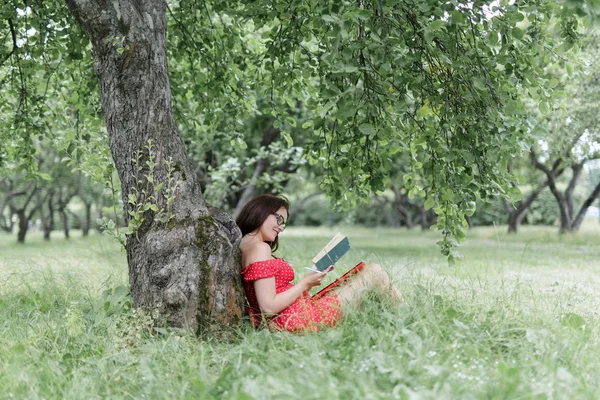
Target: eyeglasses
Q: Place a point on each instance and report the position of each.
(280, 220)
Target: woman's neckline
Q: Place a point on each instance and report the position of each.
(254, 262)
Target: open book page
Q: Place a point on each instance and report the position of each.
(332, 252)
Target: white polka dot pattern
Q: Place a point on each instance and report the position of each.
(303, 314)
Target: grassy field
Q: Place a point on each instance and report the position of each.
(517, 318)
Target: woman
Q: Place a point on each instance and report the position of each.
(273, 298)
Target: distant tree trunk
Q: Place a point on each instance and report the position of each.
(6, 224)
(563, 208)
(584, 207)
(23, 225)
(424, 220)
(86, 220)
(64, 198)
(23, 216)
(568, 223)
(48, 220)
(561, 199)
(577, 168)
(189, 268)
(516, 215)
(66, 222)
(399, 208)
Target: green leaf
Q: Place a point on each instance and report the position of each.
(553, 82)
(517, 32)
(436, 25)
(364, 14)
(394, 150)
(367, 129)
(288, 139)
(425, 111)
(429, 203)
(330, 18)
(448, 195)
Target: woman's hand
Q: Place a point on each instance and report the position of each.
(314, 278)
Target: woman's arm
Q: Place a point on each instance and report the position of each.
(268, 300)
(271, 303)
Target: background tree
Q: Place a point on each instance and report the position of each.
(573, 138)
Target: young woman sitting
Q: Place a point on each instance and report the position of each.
(273, 299)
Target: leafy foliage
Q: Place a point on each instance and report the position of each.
(352, 84)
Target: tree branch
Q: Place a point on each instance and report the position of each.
(586, 204)
(13, 35)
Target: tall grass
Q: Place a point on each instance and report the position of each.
(516, 318)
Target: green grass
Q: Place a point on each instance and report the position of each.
(517, 318)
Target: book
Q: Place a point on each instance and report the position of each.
(353, 271)
(332, 252)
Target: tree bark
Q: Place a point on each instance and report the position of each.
(577, 168)
(86, 220)
(48, 222)
(23, 225)
(584, 207)
(7, 224)
(65, 220)
(551, 175)
(23, 216)
(188, 268)
(515, 217)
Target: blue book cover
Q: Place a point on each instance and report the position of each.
(332, 252)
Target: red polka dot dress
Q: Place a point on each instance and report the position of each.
(305, 313)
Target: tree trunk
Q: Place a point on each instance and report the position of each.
(86, 220)
(515, 217)
(563, 206)
(48, 221)
(576, 224)
(65, 220)
(577, 168)
(23, 225)
(23, 216)
(188, 268)
(6, 223)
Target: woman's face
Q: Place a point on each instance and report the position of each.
(270, 228)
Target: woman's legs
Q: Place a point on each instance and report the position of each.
(371, 276)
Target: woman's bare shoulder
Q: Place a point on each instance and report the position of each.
(254, 252)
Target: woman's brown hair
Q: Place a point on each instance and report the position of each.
(257, 210)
